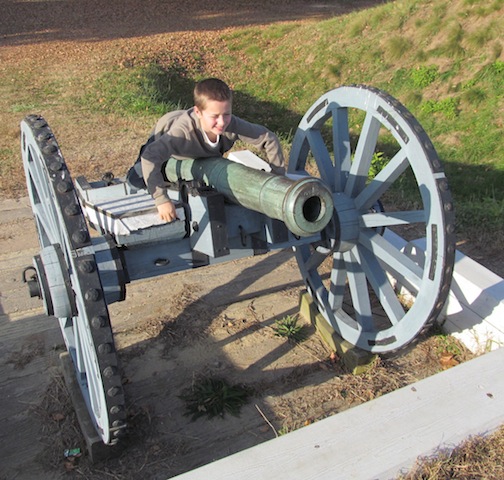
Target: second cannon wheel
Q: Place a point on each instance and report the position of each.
(373, 284)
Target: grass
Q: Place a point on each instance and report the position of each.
(287, 327)
(148, 89)
(468, 461)
(447, 68)
(423, 75)
(214, 397)
(446, 344)
(457, 87)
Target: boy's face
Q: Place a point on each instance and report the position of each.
(214, 118)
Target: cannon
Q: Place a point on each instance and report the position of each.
(355, 152)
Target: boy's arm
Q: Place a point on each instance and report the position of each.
(264, 139)
(153, 158)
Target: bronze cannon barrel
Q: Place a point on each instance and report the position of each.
(305, 205)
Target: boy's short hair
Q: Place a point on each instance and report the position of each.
(211, 89)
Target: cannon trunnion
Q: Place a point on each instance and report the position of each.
(378, 275)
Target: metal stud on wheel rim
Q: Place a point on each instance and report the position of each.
(376, 289)
(69, 280)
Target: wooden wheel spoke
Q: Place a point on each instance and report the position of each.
(357, 282)
(342, 150)
(392, 260)
(382, 287)
(390, 219)
(338, 282)
(322, 157)
(377, 187)
(363, 155)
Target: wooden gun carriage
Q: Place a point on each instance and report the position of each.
(335, 208)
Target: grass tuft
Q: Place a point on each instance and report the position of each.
(398, 46)
(477, 457)
(214, 397)
(288, 327)
(423, 75)
(447, 106)
(145, 89)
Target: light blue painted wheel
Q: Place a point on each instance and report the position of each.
(68, 280)
(376, 287)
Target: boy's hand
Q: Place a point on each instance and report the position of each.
(167, 212)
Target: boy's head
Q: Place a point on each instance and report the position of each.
(211, 89)
(213, 105)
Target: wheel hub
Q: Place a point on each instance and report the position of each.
(54, 286)
(347, 222)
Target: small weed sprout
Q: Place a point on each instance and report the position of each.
(449, 107)
(214, 397)
(424, 75)
(285, 430)
(288, 327)
(448, 345)
(378, 162)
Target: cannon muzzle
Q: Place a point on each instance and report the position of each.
(305, 205)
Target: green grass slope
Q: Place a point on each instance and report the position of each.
(442, 59)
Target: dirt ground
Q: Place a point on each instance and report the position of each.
(214, 321)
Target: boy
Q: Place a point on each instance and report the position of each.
(209, 129)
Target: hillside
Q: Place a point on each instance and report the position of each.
(443, 60)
